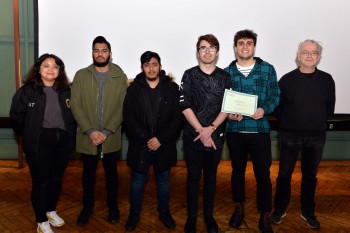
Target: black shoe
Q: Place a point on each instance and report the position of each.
(167, 220)
(276, 217)
(237, 216)
(212, 226)
(84, 217)
(190, 226)
(311, 221)
(133, 220)
(264, 223)
(113, 216)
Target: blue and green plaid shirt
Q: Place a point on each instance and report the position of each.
(261, 81)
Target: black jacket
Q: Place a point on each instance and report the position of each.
(27, 115)
(151, 113)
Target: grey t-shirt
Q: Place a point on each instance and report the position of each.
(102, 77)
(53, 115)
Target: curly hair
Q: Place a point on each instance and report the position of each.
(34, 76)
(245, 34)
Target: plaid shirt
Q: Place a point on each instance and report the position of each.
(261, 81)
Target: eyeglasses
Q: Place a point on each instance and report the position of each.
(204, 49)
(309, 53)
(46, 67)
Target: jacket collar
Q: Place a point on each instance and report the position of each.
(141, 79)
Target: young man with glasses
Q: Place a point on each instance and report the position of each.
(201, 94)
(251, 134)
(307, 102)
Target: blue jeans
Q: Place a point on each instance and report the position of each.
(258, 146)
(311, 148)
(198, 161)
(137, 185)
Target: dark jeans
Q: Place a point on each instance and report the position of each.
(47, 169)
(311, 151)
(258, 146)
(137, 185)
(197, 161)
(90, 163)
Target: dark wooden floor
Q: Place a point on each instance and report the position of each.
(16, 214)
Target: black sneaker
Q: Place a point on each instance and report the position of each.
(133, 220)
(311, 221)
(276, 217)
(167, 220)
(237, 216)
(190, 226)
(84, 217)
(113, 216)
(212, 226)
(264, 223)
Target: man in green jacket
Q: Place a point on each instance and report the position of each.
(98, 93)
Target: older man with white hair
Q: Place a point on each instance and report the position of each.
(306, 103)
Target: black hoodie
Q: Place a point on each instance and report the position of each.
(151, 113)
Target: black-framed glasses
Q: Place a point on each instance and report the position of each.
(204, 49)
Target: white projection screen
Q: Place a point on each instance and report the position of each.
(171, 28)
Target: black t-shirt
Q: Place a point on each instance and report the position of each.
(203, 93)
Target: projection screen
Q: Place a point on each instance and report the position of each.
(171, 28)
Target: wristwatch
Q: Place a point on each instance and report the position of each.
(213, 127)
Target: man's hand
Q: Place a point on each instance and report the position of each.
(258, 114)
(209, 143)
(204, 133)
(235, 117)
(153, 144)
(97, 138)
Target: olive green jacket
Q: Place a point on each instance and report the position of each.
(85, 99)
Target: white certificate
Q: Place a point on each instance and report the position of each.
(237, 102)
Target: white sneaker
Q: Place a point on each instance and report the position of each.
(44, 227)
(54, 219)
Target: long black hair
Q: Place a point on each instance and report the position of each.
(34, 75)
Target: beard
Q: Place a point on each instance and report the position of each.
(152, 79)
(101, 64)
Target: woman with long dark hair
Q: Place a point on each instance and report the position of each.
(41, 114)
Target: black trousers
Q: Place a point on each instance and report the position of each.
(258, 146)
(311, 148)
(90, 163)
(47, 169)
(198, 161)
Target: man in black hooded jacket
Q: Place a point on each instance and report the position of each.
(152, 117)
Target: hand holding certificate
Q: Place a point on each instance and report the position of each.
(237, 102)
